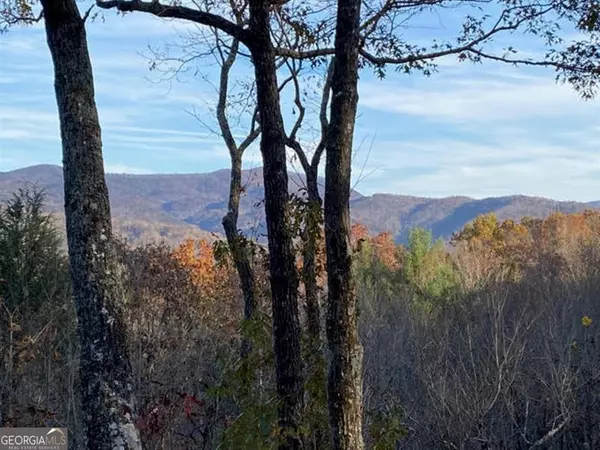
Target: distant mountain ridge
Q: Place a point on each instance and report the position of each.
(174, 206)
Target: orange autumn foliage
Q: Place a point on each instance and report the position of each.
(215, 281)
(358, 232)
(386, 250)
(384, 247)
(557, 238)
(560, 227)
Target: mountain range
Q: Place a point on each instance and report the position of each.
(174, 207)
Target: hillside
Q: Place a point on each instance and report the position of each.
(172, 207)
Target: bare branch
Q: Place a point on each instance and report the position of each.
(297, 98)
(469, 46)
(222, 103)
(9, 18)
(550, 434)
(247, 142)
(529, 62)
(87, 13)
(304, 54)
(297, 147)
(323, 117)
(180, 12)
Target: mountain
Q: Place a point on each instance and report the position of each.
(173, 207)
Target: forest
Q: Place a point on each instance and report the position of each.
(488, 341)
(326, 335)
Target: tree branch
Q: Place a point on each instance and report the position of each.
(180, 12)
(295, 71)
(87, 13)
(222, 103)
(324, 120)
(529, 62)
(304, 54)
(550, 434)
(295, 145)
(469, 46)
(416, 57)
(10, 19)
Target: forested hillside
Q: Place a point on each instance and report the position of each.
(509, 305)
(172, 208)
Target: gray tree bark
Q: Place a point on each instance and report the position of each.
(239, 252)
(314, 220)
(346, 353)
(236, 242)
(282, 267)
(105, 370)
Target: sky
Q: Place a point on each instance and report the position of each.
(475, 130)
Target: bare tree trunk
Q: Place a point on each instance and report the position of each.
(316, 373)
(345, 360)
(314, 218)
(239, 252)
(284, 279)
(105, 369)
(309, 266)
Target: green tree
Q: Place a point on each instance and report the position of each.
(33, 266)
(428, 268)
(34, 288)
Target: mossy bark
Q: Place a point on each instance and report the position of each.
(96, 275)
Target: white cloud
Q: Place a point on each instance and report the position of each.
(124, 168)
(168, 139)
(159, 131)
(23, 134)
(466, 94)
(444, 168)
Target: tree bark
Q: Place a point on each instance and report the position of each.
(239, 252)
(309, 266)
(284, 279)
(235, 240)
(315, 204)
(96, 275)
(316, 375)
(345, 359)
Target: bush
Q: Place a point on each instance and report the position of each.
(37, 333)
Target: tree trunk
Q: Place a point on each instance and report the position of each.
(96, 276)
(345, 359)
(239, 252)
(309, 265)
(316, 395)
(284, 279)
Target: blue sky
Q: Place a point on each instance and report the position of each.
(480, 131)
